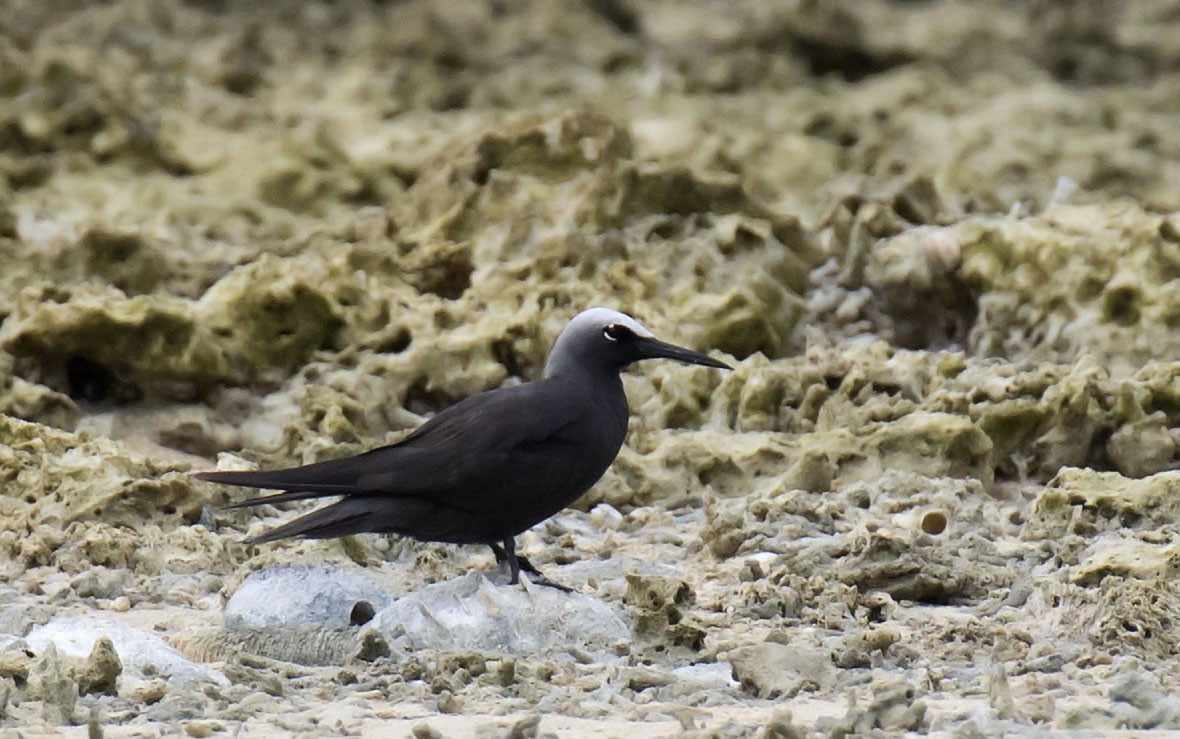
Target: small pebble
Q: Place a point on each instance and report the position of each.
(200, 728)
(934, 522)
(425, 731)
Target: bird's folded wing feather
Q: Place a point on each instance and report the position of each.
(482, 438)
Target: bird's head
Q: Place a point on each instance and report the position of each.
(608, 339)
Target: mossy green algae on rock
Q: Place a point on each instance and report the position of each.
(559, 202)
(1086, 280)
(260, 318)
(1089, 501)
(848, 413)
(29, 401)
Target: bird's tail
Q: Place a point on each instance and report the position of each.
(278, 498)
(344, 518)
(286, 480)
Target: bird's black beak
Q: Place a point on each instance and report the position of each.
(652, 348)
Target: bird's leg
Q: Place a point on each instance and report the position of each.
(498, 550)
(516, 565)
(509, 552)
(502, 557)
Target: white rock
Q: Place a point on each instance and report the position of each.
(75, 636)
(301, 595)
(471, 612)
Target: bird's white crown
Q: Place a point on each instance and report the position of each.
(595, 319)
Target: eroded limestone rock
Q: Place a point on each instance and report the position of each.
(663, 613)
(1088, 501)
(73, 485)
(772, 670)
(101, 671)
(51, 684)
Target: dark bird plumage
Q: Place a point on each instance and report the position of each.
(492, 465)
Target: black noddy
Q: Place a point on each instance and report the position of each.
(490, 466)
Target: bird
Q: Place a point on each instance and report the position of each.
(491, 466)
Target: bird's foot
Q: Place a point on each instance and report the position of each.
(536, 578)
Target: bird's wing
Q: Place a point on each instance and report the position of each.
(482, 438)
(473, 440)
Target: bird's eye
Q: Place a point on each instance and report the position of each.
(614, 332)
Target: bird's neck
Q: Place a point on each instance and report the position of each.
(562, 365)
(605, 386)
(605, 403)
(600, 379)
